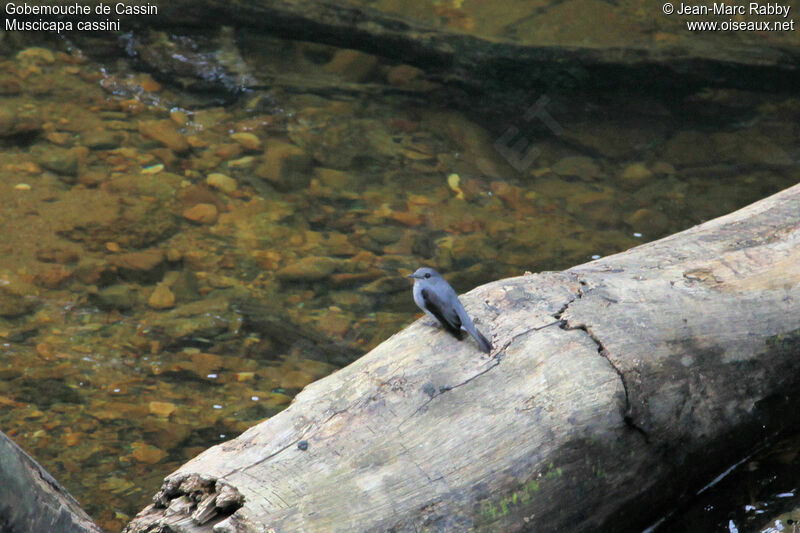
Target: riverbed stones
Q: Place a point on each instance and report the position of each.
(222, 182)
(402, 74)
(137, 223)
(61, 138)
(385, 234)
(164, 132)
(92, 177)
(595, 204)
(662, 168)
(577, 166)
(750, 147)
(648, 222)
(227, 151)
(478, 147)
(59, 160)
(17, 299)
(16, 120)
(386, 285)
(8, 119)
(118, 296)
(201, 319)
(57, 254)
(161, 186)
(162, 409)
(147, 453)
(184, 285)
(53, 277)
(102, 139)
(341, 144)
(203, 363)
(336, 179)
(140, 261)
(36, 55)
(285, 165)
(161, 297)
(308, 269)
(201, 214)
(247, 140)
(635, 174)
(689, 148)
(352, 65)
(247, 161)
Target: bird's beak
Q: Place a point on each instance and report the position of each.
(412, 276)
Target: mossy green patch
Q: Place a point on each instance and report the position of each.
(788, 342)
(493, 510)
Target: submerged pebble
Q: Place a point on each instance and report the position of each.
(308, 269)
(222, 182)
(635, 174)
(201, 213)
(248, 141)
(164, 132)
(161, 298)
(578, 166)
(59, 160)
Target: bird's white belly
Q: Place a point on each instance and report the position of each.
(417, 292)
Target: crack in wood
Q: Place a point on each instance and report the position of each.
(267, 458)
(496, 359)
(415, 463)
(301, 436)
(500, 353)
(601, 350)
(448, 388)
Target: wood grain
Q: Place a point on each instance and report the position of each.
(615, 388)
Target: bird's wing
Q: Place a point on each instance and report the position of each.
(446, 315)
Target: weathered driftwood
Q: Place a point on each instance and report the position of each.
(31, 501)
(615, 388)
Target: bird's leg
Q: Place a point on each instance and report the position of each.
(431, 321)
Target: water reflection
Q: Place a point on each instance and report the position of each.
(757, 495)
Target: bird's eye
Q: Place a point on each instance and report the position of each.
(427, 274)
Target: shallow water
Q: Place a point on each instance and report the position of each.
(152, 308)
(758, 494)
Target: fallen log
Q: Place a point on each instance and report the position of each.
(615, 388)
(31, 501)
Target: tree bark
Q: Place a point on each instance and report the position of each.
(31, 501)
(615, 388)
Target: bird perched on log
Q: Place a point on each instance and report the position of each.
(437, 298)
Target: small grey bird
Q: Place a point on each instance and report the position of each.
(437, 298)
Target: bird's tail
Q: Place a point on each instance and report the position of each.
(483, 342)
